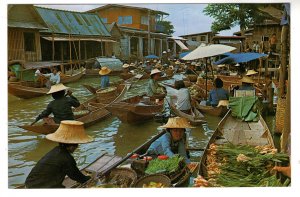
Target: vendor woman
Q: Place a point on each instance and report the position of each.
(173, 142)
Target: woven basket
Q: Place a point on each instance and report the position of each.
(280, 115)
(122, 177)
(157, 178)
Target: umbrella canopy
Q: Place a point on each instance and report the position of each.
(151, 57)
(181, 55)
(234, 58)
(208, 51)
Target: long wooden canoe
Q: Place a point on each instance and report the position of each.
(28, 90)
(132, 110)
(105, 163)
(237, 132)
(95, 115)
(214, 111)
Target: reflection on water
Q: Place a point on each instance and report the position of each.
(110, 135)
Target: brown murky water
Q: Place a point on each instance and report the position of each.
(25, 148)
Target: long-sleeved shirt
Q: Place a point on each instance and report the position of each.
(61, 109)
(53, 78)
(217, 94)
(166, 146)
(183, 99)
(152, 88)
(104, 81)
(50, 171)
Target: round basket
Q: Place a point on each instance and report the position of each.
(122, 177)
(157, 178)
(280, 115)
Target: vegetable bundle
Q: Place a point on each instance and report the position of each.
(243, 166)
(164, 166)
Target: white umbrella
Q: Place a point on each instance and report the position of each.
(208, 51)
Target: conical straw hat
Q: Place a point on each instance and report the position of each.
(251, 72)
(177, 122)
(125, 66)
(154, 71)
(223, 103)
(57, 88)
(104, 71)
(246, 79)
(70, 132)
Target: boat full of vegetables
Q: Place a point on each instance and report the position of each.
(231, 165)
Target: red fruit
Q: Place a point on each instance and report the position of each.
(163, 157)
(147, 158)
(134, 156)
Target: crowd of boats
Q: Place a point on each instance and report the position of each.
(107, 169)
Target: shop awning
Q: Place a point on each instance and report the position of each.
(182, 46)
(61, 38)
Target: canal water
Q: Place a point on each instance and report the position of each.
(111, 136)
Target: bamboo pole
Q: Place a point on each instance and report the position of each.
(284, 40)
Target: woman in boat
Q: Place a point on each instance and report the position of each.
(61, 106)
(218, 93)
(51, 170)
(104, 83)
(247, 83)
(54, 78)
(173, 142)
(153, 88)
(183, 97)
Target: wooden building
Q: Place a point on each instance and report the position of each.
(196, 39)
(235, 41)
(113, 48)
(177, 45)
(24, 24)
(141, 33)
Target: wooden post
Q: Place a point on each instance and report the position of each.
(270, 94)
(287, 120)
(61, 51)
(53, 50)
(284, 40)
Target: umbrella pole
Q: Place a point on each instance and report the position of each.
(206, 78)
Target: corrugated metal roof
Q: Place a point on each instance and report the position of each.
(76, 23)
(27, 25)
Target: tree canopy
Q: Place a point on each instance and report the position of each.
(168, 27)
(227, 16)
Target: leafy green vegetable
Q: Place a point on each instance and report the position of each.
(164, 166)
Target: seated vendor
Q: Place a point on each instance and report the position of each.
(173, 142)
(217, 93)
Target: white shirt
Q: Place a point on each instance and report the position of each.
(183, 99)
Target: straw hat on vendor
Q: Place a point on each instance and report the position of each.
(177, 123)
(104, 71)
(251, 72)
(57, 88)
(70, 132)
(247, 79)
(125, 66)
(52, 168)
(155, 71)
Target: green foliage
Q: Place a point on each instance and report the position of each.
(168, 27)
(161, 166)
(227, 16)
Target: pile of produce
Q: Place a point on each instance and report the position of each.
(164, 166)
(196, 92)
(153, 185)
(242, 166)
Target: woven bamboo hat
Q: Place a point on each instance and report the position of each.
(223, 103)
(57, 88)
(177, 122)
(132, 65)
(104, 71)
(70, 132)
(154, 71)
(246, 79)
(125, 65)
(177, 62)
(251, 72)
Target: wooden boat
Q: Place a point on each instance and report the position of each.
(95, 115)
(133, 110)
(104, 164)
(214, 111)
(30, 89)
(237, 132)
(196, 118)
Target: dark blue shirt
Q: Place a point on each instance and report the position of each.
(217, 94)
